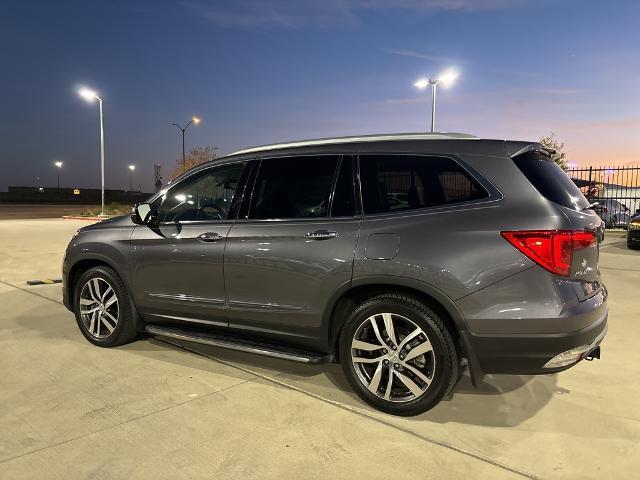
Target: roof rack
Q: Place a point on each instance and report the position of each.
(360, 138)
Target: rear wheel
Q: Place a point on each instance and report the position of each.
(103, 308)
(398, 355)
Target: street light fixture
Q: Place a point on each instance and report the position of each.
(90, 95)
(59, 165)
(446, 79)
(131, 169)
(193, 121)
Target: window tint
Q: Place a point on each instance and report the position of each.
(293, 187)
(405, 182)
(203, 196)
(550, 180)
(344, 201)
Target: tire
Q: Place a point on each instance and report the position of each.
(106, 323)
(424, 354)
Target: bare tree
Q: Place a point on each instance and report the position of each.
(559, 155)
(195, 157)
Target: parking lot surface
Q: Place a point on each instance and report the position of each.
(155, 410)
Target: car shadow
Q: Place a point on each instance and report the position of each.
(499, 400)
(504, 400)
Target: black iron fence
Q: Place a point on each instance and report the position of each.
(616, 189)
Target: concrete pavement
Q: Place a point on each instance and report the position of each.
(155, 410)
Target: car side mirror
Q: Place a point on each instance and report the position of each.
(141, 214)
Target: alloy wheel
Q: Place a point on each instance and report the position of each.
(393, 357)
(99, 307)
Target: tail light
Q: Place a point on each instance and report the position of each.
(551, 249)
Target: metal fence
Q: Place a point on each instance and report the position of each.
(616, 189)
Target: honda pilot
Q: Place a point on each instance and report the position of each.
(405, 258)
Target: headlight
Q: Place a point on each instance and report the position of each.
(634, 226)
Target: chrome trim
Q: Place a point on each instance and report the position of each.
(187, 298)
(263, 306)
(226, 344)
(190, 320)
(362, 138)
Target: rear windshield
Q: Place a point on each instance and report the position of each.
(550, 180)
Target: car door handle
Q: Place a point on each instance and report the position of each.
(209, 237)
(321, 235)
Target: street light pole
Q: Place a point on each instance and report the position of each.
(59, 166)
(434, 86)
(193, 121)
(446, 78)
(131, 169)
(90, 96)
(102, 214)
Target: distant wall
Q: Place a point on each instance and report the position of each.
(85, 196)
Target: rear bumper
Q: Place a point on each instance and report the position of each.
(528, 354)
(633, 236)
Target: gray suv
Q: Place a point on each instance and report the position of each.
(405, 258)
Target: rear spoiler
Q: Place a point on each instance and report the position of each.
(533, 147)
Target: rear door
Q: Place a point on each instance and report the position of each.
(292, 247)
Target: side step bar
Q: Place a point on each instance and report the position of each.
(239, 343)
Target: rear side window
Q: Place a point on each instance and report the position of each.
(406, 182)
(293, 187)
(550, 180)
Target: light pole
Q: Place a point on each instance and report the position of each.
(89, 95)
(131, 169)
(194, 121)
(446, 78)
(59, 165)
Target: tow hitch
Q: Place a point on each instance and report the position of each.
(595, 353)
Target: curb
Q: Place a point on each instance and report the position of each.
(78, 217)
(46, 281)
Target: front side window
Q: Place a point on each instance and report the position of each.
(203, 196)
(406, 182)
(293, 187)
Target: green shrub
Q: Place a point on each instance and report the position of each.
(111, 209)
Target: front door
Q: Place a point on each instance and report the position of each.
(178, 261)
(293, 249)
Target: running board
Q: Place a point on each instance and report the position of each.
(239, 343)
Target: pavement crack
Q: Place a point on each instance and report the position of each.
(26, 290)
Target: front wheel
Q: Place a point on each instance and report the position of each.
(398, 355)
(103, 308)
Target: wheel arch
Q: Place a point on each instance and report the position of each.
(84, 264)
(359, 289)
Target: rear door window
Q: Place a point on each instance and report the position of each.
(550, 180)
(407, 182)
(293, 187)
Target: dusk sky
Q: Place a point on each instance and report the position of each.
(265, 71)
